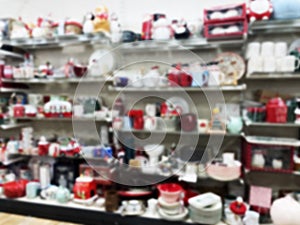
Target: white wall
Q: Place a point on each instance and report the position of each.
(130, 11)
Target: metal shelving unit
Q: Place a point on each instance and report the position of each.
(274, 26)
(241, 87)
(272, 76)
(13, 126)
(178, 133)
(190, 44)
(265, 124)
(61, 119)
(105, 78)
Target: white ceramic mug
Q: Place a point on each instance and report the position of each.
(150, 109)
(133, 206)
(228, 158)
(253, 50)
(150, 123)
(280, 49)
(255, 64)
(269, 64)
(152, 205)
(203, 126)
(216, 78)
(287, 64)
(267, 49)
(277, 164)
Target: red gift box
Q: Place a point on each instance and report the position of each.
(240, 8)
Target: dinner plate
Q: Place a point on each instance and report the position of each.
(231, 64)
(179, 104)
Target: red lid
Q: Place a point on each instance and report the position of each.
(75, 23)
(238, 208)
(169, 187)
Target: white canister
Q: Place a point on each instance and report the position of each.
(269, 64)
(267, 49)
(280, 49)
(45, 176)
(253, 50)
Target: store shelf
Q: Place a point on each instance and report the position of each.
(58, 80)
(275, 180)
(240, 87)
(61, 119)
(9, 90)
(11, 161)
(189, 44)
(275, 26)
(275, 76)
(12, 126)
(75, 213)
(265, 124)
(178, 133)
(58, 42)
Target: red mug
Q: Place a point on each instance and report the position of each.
(188, 122)
(185, 80)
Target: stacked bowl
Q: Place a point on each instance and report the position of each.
(205, 208)
(170, 204)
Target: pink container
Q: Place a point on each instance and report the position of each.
(170, 192)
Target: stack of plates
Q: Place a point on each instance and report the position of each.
(171, 211)
(205, 208)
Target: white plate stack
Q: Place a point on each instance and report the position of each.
(205, 208)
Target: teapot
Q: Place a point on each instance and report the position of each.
(235, 125)
(62, 195)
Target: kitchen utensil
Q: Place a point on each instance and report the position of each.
(287, 63)
(79, 70)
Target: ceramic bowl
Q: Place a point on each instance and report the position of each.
(166, 205)
(223, 172)
(79, 70)
(170, 192)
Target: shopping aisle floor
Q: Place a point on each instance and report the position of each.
(12, 219)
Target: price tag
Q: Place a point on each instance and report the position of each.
(260, 196)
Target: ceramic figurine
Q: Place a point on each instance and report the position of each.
(101, 22)
(258, 160)
(88, 25)
(43, 28)
(19, 30)
(161, 29)
(259, 10)
(217, 125)
(115, 29)
(73, 27)
(181, 30)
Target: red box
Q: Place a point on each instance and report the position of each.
(277, 154)
(241, 25)
(240, 8)
(19, 111)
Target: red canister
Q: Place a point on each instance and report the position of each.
(276, 111)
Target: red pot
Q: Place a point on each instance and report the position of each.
(276, 111)
(84, 188)
(15, 189)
